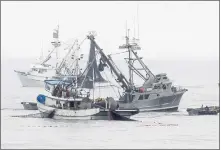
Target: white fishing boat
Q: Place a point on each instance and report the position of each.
(76, 104)
(44, 70)
(36, 76)
(62, 108)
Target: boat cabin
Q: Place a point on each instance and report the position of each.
(161, 77)
(162, 84)
(40, 68)
(65, 96)
(71, 103)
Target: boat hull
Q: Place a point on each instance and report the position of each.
(104, 114)
(46, 106)
(196, 112)
(203, 111)
(30, 80)
(162, 104)
(66, 114)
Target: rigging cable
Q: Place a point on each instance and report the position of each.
(110, 82)
(79, 45)
(118, 53)
(65, 72)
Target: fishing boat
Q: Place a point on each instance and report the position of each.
(44, 70)
(81, 107)
(62, 108)
(157, 92)
(212, 110)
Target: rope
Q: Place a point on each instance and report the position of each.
(110, 82)
(99, 86)
(66, 72)
(117, 83)
(118, 53)
(88, 68)
(29, 115)
(13, 109)
(36, 115)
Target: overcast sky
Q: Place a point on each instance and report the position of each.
(168, 30)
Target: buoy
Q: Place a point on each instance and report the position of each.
(41, 98)
(141, 90)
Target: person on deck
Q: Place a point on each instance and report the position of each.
(88, 94)
(67, 92)
(55, 91)
(64, 92)
(59, 93)
(75, 93)
(207, 108)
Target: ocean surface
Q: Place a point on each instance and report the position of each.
(152, 130)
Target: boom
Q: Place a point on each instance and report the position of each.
(120, 77)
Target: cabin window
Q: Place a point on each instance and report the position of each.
(164, 87)
(158, 79)
(40, 71)
(156, 87)
(147, 96)
(133, 97)
(71, 104)
(141, 97)
(47, 87)
(164, 77)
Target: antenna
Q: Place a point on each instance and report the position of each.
(126, 28)
(138, 21)
(56, 43)
(42, 55)
(134, 29)
(58, 29)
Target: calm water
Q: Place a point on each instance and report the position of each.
(153, 130)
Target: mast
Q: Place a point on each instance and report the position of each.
(56, 43)
(129, 54)
(77, 68)
(66, 56)
(128, 46)
(132, 46)
(41, 57)
(137, 21)
(129, 57)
